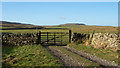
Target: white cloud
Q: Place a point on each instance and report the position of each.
(62, 17)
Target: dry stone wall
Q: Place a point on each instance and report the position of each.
(19, 39)
(106, 41)
(99, 40)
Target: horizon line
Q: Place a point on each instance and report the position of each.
(58, 24)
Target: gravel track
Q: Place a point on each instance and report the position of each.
(72, 61)
(65, 58)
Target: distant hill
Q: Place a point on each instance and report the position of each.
(5, 22)
(71, 24)
(74, 24)
(17, 25)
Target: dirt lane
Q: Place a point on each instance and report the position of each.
(65, 58)
(68, 58)
(72, 57)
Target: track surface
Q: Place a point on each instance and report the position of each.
(70, 57)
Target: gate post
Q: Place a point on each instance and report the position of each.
(54, 39)
(91, 37)
(61, 37)
(70, 32)
(39, 37)
(47, 37)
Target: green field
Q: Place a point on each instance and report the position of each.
(89, 29)
(74, 28)
(7, 27)
(28, 55)
(33, 31)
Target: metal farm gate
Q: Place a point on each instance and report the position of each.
(54, 38)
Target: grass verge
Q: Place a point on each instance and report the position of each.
(29, 55)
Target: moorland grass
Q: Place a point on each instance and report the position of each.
(28, 55)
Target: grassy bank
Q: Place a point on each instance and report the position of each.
(29, 55)
(105, 54)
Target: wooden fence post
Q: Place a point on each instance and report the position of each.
(54, 39)
(91, 37)
(61, 37)
(39, 37)
(47, 37)
(70, 36)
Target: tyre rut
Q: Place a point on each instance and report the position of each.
(72, 61)
(93, 58)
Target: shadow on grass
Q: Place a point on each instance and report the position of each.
(5, 65)
(53, 45)
(6, 50)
